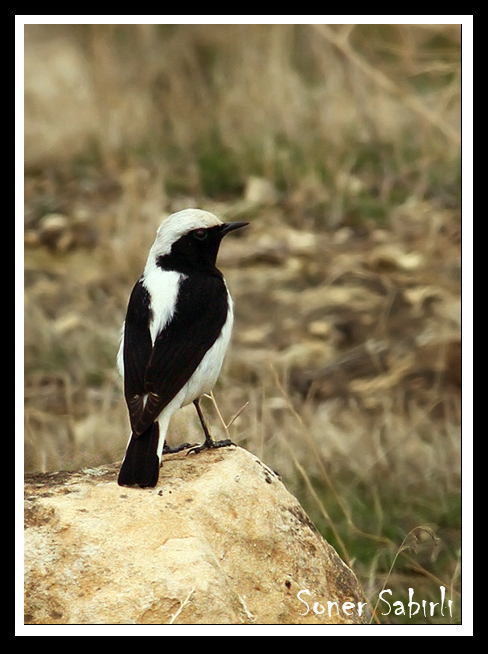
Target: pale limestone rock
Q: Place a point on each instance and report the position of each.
(260, 191)
(219, 540)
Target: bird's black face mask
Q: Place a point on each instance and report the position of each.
(198, 249)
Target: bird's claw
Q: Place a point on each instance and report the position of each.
(210, 445)
(172, 450)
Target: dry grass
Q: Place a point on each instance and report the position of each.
(357, 127)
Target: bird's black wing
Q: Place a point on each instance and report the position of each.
(201, 312)
(137, 349)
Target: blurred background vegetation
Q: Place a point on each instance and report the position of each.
(341, 145)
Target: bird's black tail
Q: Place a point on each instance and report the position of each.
(141, 463)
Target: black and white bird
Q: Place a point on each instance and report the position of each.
(175, 335)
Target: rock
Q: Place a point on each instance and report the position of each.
(388, 257)
(219, 540)
(321, 328)
(60, 233)
(54, 231)
(260, 191)
(254, 335)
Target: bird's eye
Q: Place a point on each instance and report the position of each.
(200, 234)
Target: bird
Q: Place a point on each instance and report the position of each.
(174, 338)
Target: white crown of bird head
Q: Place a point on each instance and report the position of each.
(177, 225)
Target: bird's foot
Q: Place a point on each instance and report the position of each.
(210, 445)
(172, 450)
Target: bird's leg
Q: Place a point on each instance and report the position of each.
(209, 441)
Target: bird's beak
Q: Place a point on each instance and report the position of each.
(229, 227)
